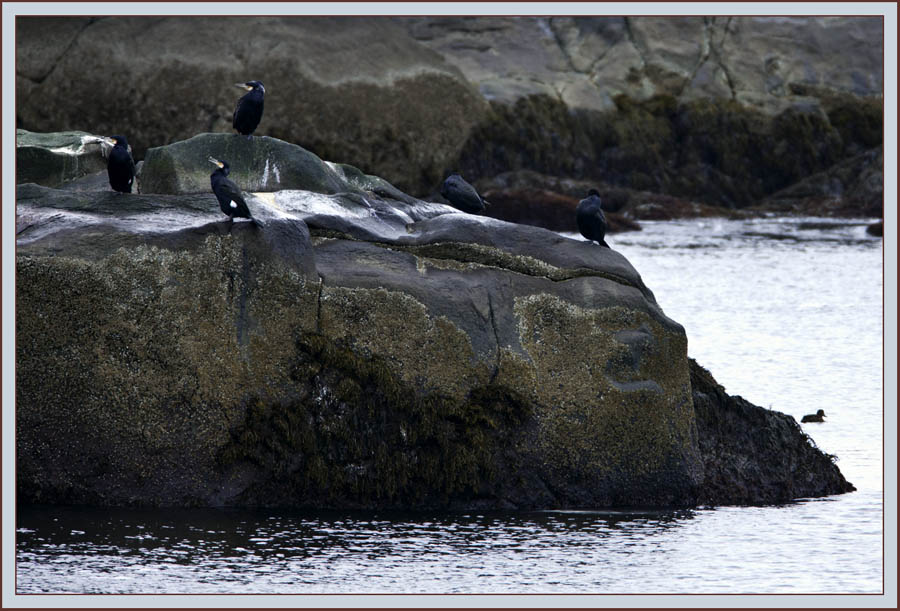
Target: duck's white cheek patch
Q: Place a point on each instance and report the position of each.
(233, 205)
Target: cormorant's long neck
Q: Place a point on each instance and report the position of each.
(255, 96)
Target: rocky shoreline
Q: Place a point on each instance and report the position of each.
(666, 117)
(363, 348)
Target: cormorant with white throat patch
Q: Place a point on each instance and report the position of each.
(590, 218)
(231, 200)
(249, 109)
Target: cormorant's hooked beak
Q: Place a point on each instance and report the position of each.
(109, 141)
(216, 162)
(244, 86)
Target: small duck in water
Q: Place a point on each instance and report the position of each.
(819, 416)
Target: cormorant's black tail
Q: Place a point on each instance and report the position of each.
(257, 222)
(603, 243)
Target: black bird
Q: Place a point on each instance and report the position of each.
(819, 416)
(231, 200)
(120, 166)
(590, 218)
(462, 195)
(249, 109)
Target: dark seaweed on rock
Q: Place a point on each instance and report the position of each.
(753, 455)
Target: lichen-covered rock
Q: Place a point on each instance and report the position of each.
(355, 350)
(55, 158)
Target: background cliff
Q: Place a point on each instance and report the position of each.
(772, 112)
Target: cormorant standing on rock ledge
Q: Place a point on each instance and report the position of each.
(590, 218)
(231, 200)
(462, 195)
(819, 416)
(120, 166)
(249, 109)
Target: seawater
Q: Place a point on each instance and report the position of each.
(785, 312)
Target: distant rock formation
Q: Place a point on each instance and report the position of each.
(724, 111)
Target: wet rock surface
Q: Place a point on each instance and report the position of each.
(361, 348)
(532, 198)
(56, 158)
(257, 164)
(853, 187)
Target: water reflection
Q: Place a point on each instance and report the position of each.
(225, 546)
(266, 534)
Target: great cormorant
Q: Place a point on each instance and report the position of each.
(249, 109)
(462, 195)
(590, 218)
(120, 165)
(231, 200)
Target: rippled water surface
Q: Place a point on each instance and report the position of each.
(787, 313)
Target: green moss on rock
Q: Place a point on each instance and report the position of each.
(129, 376)
(623, 405)
(429, 353)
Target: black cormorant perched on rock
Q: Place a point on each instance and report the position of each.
(231, 200)
(819, 416)
(120, 166)
(462, 195)
(249, 109)
(590, 218)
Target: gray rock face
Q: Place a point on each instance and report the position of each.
(357, 350)
(587, 61)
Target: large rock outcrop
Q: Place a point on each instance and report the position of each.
(358, 349)
(721, 110)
